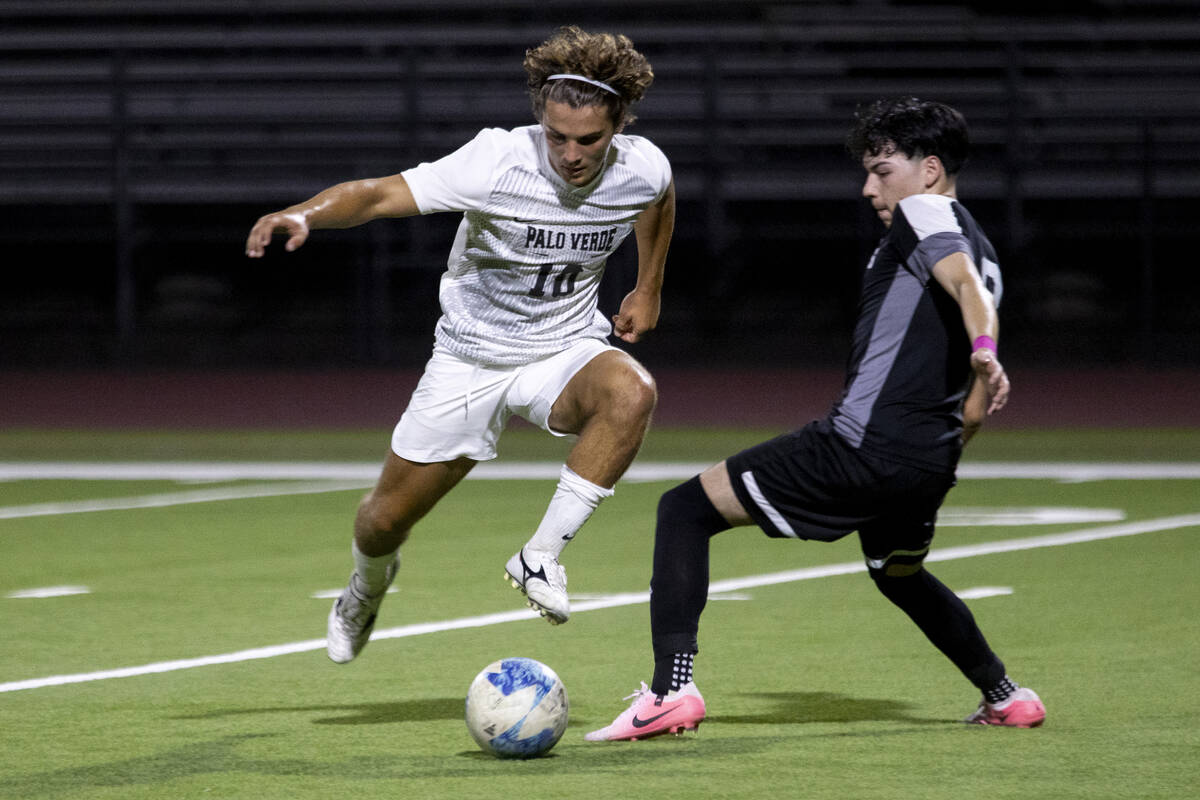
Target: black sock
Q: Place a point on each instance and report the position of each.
(673, 671)
(945, 619)
(679, 585)
(1001, 691)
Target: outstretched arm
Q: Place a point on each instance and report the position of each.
(990, 387)
(342, 206)
(640, 308)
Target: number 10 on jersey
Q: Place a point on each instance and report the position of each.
(562, 284)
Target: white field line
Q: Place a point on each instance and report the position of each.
(366, 473)
(613, 601)
(1083, 472)
(43, 592)
(322, 477)
(949, 516)
(177, 498)
(980, 592)
(1008, 516)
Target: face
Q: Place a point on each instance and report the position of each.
(891, 177)
(578, 140)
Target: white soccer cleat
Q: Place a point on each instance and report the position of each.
(544, 582)
(352, 617)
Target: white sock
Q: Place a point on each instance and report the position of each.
(371, 570)
(574, 501)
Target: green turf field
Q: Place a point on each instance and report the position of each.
(816, 687)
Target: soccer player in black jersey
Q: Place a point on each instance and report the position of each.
(923, 374)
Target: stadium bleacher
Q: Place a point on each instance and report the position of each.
(138, 141)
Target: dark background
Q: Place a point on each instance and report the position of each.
(140, 140)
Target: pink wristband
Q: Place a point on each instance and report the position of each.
(982, 342)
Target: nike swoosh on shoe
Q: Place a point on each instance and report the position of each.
(641, 723)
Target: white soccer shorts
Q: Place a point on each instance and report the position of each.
(459, 408)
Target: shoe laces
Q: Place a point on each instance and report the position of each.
(355, 606)
(638, 694)
(556, 574)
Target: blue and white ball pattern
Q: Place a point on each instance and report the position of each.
(516, 708)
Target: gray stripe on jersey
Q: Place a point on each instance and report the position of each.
(523, 192)
(891, 325)
(933, 249)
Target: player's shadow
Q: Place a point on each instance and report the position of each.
(424, 710)
(783, 708)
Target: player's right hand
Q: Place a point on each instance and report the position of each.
(292, 224)
(637, 315)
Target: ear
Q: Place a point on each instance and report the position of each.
(932, 171)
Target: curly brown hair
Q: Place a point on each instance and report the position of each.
(605, 57)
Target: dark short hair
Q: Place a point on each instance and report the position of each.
(916, 128)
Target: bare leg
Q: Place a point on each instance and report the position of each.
(608, 404)
(405, 492)
(719, 488)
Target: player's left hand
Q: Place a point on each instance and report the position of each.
(989, 370)
(637, 316)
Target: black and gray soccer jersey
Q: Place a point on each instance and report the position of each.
(909, 364)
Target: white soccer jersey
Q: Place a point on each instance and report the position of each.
(524, 272)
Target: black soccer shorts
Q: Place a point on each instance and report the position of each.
(810, 484)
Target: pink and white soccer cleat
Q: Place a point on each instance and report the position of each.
(651, 715)
(1023, 710)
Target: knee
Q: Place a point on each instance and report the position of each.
(901, 585)
(379, 517)
(613, 389)
(688, 507)
(674, 503)
(633, 393)
(885, 583)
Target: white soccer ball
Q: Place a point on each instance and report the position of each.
(516, 708)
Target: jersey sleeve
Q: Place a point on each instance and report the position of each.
(937, 230)
(460, 181)
(653, 164)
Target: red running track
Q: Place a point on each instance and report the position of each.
(1109, 397)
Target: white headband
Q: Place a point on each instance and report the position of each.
(566, 76)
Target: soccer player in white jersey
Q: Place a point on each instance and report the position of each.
(543, 206)
(923, 373)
